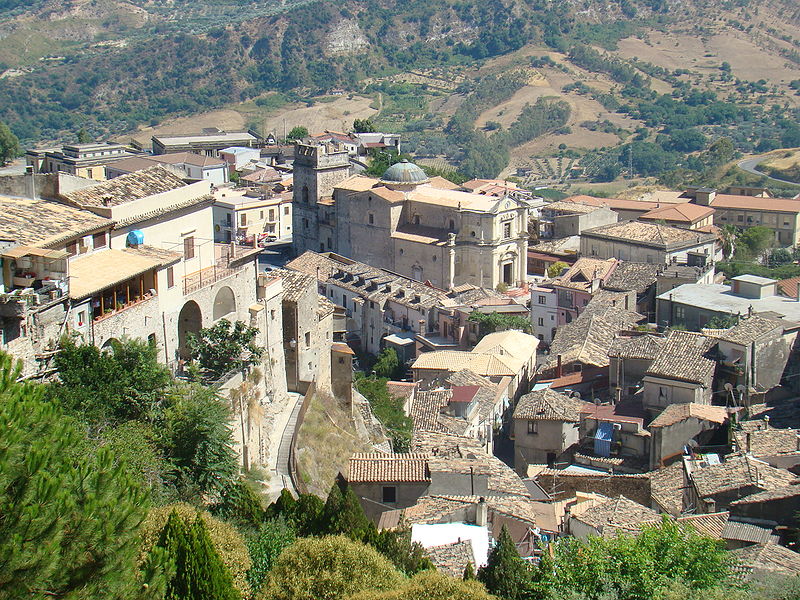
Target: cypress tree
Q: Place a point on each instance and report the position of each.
(505, 574)
(469, 572)
(196, 570)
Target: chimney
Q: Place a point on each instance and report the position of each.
(747, 442)
(766, 422)
(422, 328)
(559, 370)
(107, 200)
(711, 505)
(481, 513)
(798, 291)
(797, 444)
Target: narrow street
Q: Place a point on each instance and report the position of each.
(280, 441)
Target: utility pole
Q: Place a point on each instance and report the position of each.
(630, 162)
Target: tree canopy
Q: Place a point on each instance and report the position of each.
(491, 322)
(297, 133)
(327, 568)
(197, 573)
(225, 347)
(9, 144)
(123, 382)
(69, 519)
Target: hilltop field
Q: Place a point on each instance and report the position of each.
(559, 98)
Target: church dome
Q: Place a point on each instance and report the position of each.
(404, 173)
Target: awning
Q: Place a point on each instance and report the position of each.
(20, 251)
(100, 271)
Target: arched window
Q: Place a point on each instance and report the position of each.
(416, 219)
(305, 194)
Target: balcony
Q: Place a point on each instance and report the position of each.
(226, 257)
(120, 307)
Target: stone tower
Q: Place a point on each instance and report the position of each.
(317, 169)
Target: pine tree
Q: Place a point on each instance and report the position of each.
(505, 574)
(69, 516)
(196, 571)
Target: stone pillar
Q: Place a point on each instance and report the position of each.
(522, 251)
(451, 260)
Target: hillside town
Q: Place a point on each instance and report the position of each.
(565, 368)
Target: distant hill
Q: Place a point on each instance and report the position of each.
(110, 65)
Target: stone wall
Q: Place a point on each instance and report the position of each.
(561, 485)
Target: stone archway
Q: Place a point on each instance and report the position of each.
(108, 345)
(190, 320)
(224, 303)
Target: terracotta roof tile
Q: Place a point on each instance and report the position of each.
(377, 467)
(684, 356)
(679, 212)
(616, 511)
(767, 442)
(639, 347)
(675, 413)
(127, 188)
(768, 558)
(547, 405)
(452, 559)
(739, 472)
(751, 329)
(648, 233)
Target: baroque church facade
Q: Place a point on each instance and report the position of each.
(428, 229)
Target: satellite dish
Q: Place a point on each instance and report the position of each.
(728, 387)
(740, 388)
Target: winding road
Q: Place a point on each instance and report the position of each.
(749, 165)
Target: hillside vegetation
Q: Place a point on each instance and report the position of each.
(632, 88)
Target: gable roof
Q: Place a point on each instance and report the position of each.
(768, 558)
(675, 413)
(632, 276)
(547, 405)
(511, 342)
(45, 222)
(751, 329)
(652, 234)
(637, 347)
(452, 559)
(487, 365)
(684, 212)
(585, 270)
(684, 357)
(126, 188)
(783, 205)
(739, 472)
(377, 467)
(767, 442)
(616, 511)
(589, 337)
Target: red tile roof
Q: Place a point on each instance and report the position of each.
(684, 213)
(756, 203)
(377, 467)
(464, 393)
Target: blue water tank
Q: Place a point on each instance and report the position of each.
(135, 238)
